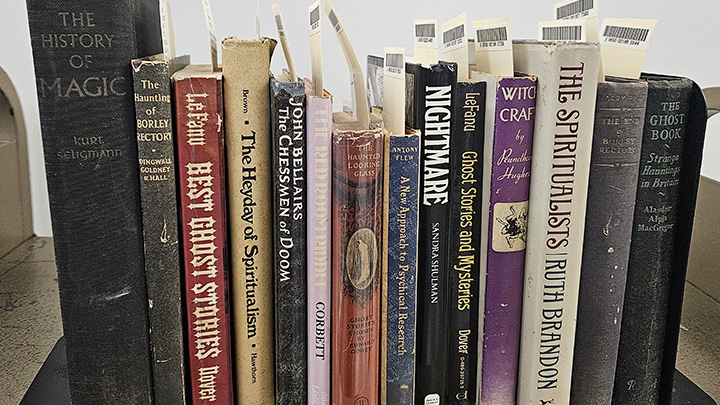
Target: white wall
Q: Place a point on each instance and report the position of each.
(685, 43)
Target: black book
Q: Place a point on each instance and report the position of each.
(669, 170)
(289, 136)
(432, 113)
(159, 202)
(617, 138)
(464, 275)
(82, 52)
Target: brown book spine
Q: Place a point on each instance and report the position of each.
(246, 69)
(356, 252)
(200, 149)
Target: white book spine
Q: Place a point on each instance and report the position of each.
(565, 112)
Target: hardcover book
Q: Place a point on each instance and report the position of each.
(198, 97)
(159, 201)
(356, 251)
(432, 113)
(246, 68)
(399, 276)
(670, 157)
(287, 114)
(509, 129)
(619, 118)
(464, 277)
(567, 77)
(319, 244)
(81, 51)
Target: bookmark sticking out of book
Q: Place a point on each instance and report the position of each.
(168, 38)
(493, 46)
(455, 43)
(426, 43)
(210, 25)
(375, 77)
(316, 49)
(394, 90)
(360, 109)
(581, 9)
(257, 19)
(284, 42)
(623, 45)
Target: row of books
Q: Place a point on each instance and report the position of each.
(268, 250)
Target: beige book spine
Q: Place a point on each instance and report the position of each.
(246, 70)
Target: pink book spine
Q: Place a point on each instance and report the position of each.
(319, 161)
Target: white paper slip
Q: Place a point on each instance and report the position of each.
(284, 42)
(493, 46)
(454, 44)
(571, 9)
(563, 30)
(166, 30)
(426, 42)
(624, 44)
(361, 111)
(374, 77)
(394, 90)
(210, 25)
(316, 48)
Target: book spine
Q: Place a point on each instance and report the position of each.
(464, 245)
(288, 128)
(200, 151)
(319, 243)
(619, 118)
(433, 109)
(565, 109)
(510, 151)
(93, 187)
(401, 191)
(356, 253)
(650, 268)
(246, 69)
(158, 197)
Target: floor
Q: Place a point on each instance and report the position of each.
(30, 323)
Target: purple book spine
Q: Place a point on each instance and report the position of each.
(319, 158)
(509, 189)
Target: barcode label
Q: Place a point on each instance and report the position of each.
(425, 31)
(627, 33)
(315, 16)
(575, 9)
(563, 30)
(492, 35)
(334, 21)
(395, 62)
(454, 36)
(279, 24)
(565, 34)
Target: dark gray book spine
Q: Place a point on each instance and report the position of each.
(289, 137)
(650, 268)
(82, 52)
(158, 198)
(690, 177)
(464, 246)
(433, 114)
(617, 137)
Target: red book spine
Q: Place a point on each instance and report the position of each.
(200, 140)
(356, 253)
